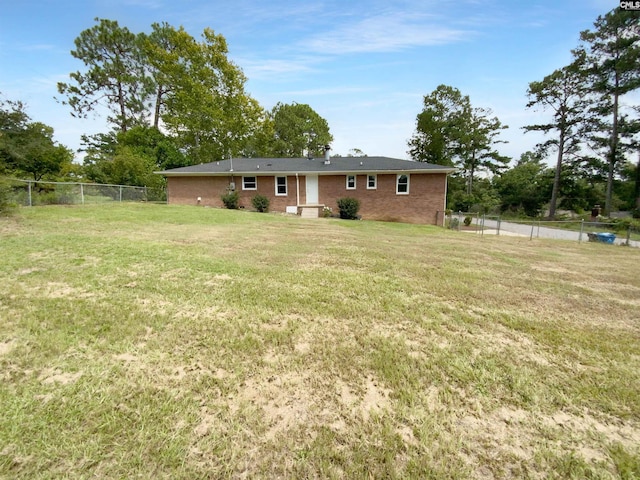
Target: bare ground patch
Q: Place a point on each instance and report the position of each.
(51, 376)
(60, 290)
(512, 437)
(7, 346)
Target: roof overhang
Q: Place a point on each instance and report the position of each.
(258, 173)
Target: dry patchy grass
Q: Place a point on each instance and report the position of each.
(181, 342)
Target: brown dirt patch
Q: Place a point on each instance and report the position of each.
(50, 376)
(6, 347)
(512, 436)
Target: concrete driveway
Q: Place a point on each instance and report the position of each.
(541, 231)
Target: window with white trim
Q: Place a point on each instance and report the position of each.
(351, 182)
(372, 182)
(402, 184)
(281, 186)
(249, 183)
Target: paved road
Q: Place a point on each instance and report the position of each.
(547, 232)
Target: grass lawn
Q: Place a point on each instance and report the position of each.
(174, 342)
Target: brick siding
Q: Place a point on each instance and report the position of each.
(426, 194)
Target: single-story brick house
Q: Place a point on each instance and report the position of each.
(388, 188)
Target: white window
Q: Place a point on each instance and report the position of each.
(249, 183)
(351, 182)
(281, 186)
(402, 185)
(372, 182)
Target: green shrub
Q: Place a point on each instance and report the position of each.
(231, 200)
(260, 203)
(348, 208)
(624, 224)
(454, 224)
(6, 205)
(467, 220)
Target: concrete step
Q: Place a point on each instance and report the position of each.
(309, 213)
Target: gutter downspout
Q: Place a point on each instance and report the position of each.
(297, 190)
(446, 191)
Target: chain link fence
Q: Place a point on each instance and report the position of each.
(32, 193)
(579, 230)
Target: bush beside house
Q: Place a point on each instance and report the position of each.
(349, 208)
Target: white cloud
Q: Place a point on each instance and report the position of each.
(386, 33)
(39, 47)
(329, 91)
(274, 67)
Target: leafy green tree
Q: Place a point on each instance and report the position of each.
(152, 143)
(132, 157)
(261, 141)
(625, 188)
(525, 187)
(190, 89)
(449, 131)
(161, 53)
(130, 168)
(116, 75)
(356, 152)
(612, 53)
(200, 93)
(13, 121)
(98, 149)
(299, 131)
(439, 126)
(27, 148)
(580, 192)
(483, 199)
(564, 93)
(39, 156)
(475, 150)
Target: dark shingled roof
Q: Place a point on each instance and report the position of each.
(270, 166)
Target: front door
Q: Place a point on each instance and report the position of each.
(312, 189)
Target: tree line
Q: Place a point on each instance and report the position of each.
(173, 100)
(592, 130)
(170, 99)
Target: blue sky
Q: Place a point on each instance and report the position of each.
(364, 65)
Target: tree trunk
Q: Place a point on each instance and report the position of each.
(471, 172)
(156, 115)
(556, 179)
(123, 110)
(613, 147)
(637, 189)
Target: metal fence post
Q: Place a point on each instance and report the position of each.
(533, 225)
(629, 236)
(29, 188)
(581, 230)
(121, 193)
(498, 222)
(82, 194)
